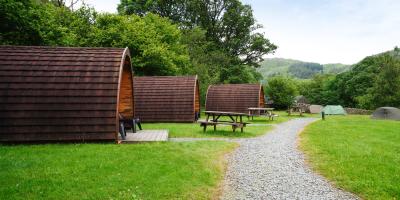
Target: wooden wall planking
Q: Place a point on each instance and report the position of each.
(60, 93)
(233, 97)
(165, 98)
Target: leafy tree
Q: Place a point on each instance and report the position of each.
(229, 31)
(386, 89)
(19, 22)
(228, 23)
(355, 87)
(282, 90)
(42, 23)
(209, 62)
(371, 83)
(316, 89)
(206, 64)
(155, 43)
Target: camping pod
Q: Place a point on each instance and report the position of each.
(234, 97)
(166, 98)
(63, 93)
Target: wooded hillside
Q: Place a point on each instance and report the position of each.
(298, 69)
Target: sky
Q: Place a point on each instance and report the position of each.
(323, 31)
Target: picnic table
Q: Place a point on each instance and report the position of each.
(259, 111)
(213, 118)
(296, 108)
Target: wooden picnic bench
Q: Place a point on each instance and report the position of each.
(296, 108)
(261, 111)
(213, 119)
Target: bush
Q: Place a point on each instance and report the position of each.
(282, 90)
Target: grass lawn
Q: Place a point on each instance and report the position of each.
(195, 131)
(191, 170)
(282, 117)
(357, 153)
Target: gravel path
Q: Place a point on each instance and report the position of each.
(271, 167)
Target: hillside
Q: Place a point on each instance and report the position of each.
(299, 69)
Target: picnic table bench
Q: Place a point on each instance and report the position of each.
(296, 108)
(261, 111)
(234, 119)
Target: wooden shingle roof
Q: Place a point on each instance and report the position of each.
(166, 98)
(60, 93)
(234, 97)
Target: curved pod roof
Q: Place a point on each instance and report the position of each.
(63, 93)
(166, 98)
(234, 97)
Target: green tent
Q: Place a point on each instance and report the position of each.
(334, 110)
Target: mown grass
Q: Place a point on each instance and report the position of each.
(356, 153)
(190, 170)
(282, 117)
(194, 130)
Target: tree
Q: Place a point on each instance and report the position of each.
(229, 29)
(366, 85)
(19, 22)
(228, 23)
(371, 83)
(206, 64)
(43, 23)
(282, 90)
(386, 89)
(155, 44)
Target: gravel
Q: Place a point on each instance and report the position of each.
(271, 167)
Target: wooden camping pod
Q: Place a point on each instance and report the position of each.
(63, 93)
(234, 97)
(166, 98)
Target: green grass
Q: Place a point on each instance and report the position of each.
(356, 153)
(282, 117)
(194, 130)
(191, 170)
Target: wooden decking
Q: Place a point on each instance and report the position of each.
(146, 136)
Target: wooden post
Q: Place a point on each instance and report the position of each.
(215, 126)
(241, 124)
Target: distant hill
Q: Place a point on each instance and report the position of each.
(395, 52)
(299, 69)
(335, 68)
